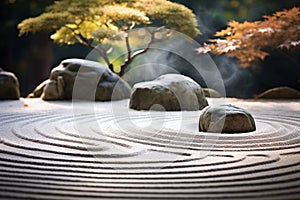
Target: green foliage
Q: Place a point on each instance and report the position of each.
(87, 21)
(119, 15)
(46, 22)
(172, 15)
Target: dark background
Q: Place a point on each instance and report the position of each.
(31, 57)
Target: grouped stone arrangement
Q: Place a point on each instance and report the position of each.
(91, 80)
(9, 86)
(173, 92)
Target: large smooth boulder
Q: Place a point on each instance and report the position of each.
(226, 119)
(280, 93)
(84, 80)
(171, 92)
(9, 86)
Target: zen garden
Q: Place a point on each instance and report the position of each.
(150, 99)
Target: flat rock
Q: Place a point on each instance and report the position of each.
(38, 91)
(54, 89)
(280, 93)
(170, 92)
(84, 80)
(226, 119)
(211, 93)
(9, 86)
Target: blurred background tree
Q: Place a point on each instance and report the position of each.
(250, 42)
(21, 55)
(90, 21)
(281, 68)
(30, 58)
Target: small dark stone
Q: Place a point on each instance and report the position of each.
(54, 89)
(38, 91)
(9, 86)
(226, 119)
(211, 93)
(280, 93)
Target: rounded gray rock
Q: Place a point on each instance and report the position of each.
(171, 92)
(226, 119)
(9, 86)
(83, 80)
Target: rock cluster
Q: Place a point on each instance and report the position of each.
(84, 80)
(170, 92)
(9, 86)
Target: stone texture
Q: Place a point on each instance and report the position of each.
(171, 92)
(54, 89)
(280, 93)
(38, 91)
(92, 81)
(9, 86)
(211, 93)
(226, 119)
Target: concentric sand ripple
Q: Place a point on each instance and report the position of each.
(60, 151)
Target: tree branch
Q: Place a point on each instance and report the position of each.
(127, 46)
(129, 50)
(100, 50)
(82, 40)
(131, 57)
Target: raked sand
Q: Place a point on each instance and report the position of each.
(103, 150)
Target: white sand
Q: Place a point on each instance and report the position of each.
(61, 150)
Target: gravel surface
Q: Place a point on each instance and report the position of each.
(103, 150)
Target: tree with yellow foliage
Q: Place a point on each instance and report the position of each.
(90, 21)
(253, 41)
